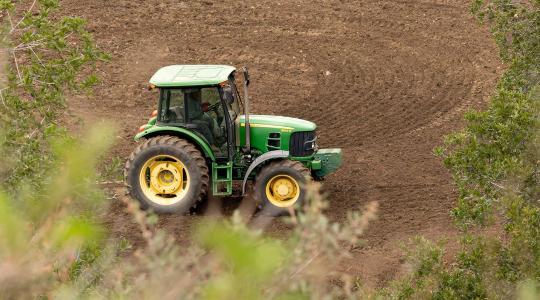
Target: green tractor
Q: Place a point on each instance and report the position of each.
(202, 138)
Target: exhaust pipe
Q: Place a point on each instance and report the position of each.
(247, 148)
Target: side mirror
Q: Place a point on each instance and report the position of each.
(228, 95)
(246, 75)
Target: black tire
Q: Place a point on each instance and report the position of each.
(183, 151)
(294, 169)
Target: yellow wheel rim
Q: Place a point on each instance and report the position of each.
(164, 180)
(282, 191)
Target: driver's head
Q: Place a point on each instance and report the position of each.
(205, 106)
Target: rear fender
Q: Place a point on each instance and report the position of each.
(194, 138)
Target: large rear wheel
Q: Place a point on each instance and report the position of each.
(281, 186)
(167, 174)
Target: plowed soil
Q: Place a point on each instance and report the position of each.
(383, 79)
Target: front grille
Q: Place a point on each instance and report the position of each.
(302, 143)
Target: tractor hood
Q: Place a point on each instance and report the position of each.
(270, 133)
(283, 124)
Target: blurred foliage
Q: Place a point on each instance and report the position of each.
(49, 229)
(112, 169)
(41, 245)
(230, 259)
(48, 56)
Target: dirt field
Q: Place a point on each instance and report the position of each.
(384, 80)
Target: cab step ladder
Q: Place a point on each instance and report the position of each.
(222, 179)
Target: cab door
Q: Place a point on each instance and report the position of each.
(231, 101)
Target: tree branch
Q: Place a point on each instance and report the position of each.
(16, 65)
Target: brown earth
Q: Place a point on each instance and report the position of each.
(384, 80)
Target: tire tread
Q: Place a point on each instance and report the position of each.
(296, 165)
(176, 142)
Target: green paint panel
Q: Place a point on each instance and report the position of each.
(191, 75)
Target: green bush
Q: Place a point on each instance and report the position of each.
(495, 165)
(48, 55)
(492, 149)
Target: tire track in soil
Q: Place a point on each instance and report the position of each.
(384, 80)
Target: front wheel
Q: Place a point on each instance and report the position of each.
(167, 174)
(281, 186)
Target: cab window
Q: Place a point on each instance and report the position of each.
(171, 106)
(198, 109)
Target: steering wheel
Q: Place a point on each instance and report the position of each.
(213, 107)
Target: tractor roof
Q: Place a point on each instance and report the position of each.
(191, 75)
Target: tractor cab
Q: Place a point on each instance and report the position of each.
(199, 109)
(202, 138)
(209, 110)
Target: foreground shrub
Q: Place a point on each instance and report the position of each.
(47, 56)
(230, 260)
(41, 245)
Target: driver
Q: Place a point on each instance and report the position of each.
(197, 116)
(211, 114)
